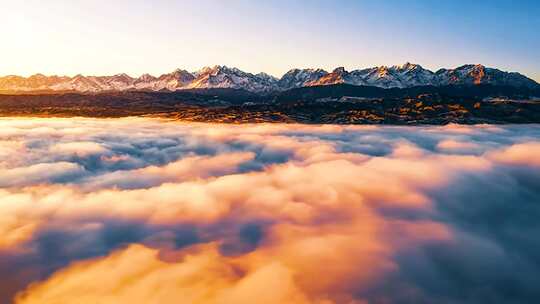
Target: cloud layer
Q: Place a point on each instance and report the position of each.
(153, 211)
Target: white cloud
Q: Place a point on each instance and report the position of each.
(218, 213)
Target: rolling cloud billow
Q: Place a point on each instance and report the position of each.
(155, 211)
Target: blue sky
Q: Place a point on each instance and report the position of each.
(108, 37)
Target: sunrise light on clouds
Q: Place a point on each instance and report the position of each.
(291, 152)
(161, 206)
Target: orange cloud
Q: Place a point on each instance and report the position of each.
(525, 154)
(455, 145)
(162, 211)
(37, 173)
(139, 276)
(78, 148)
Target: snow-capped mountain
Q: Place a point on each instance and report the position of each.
(403, 76)
(407, 75)
(479, 74)
(178, 79)
(32, 83)
(296, 78)
(233, 78)
(410, 75)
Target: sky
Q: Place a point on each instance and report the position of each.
(100, 37)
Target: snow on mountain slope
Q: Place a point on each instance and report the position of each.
(173, 81)
(338, 75)
(402, 76)
(296, 78)
(479, 74)
(409, 75)
(233, 78)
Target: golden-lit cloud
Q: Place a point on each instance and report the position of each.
(525, 154)
(80, 149)
(456, 145)
(140, 276)
(161, 211)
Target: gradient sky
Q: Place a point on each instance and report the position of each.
(104, 37)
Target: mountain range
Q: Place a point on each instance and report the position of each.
(222, 77)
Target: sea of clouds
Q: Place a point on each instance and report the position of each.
(153, 211)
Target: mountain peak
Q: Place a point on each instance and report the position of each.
(221, 76)
(407, 66)
(122, 75)
(38, 75)
(146, 76)
(179, 70)
(339, 70)
(383, 71)
(295, 78)
(216, 69)
(470, 66)
(266, 76)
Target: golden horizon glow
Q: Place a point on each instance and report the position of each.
(63, 37)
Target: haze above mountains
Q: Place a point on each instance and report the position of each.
(404, 76)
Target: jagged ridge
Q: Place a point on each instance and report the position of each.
(404, 76)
